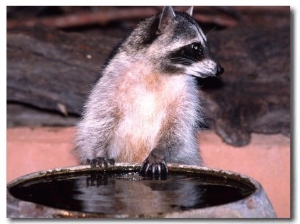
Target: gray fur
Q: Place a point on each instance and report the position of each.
(144, 104)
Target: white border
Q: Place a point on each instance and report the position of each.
(294, 99)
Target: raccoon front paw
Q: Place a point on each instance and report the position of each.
(154, 165)
(100, 162)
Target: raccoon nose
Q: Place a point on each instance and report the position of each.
(220, 70)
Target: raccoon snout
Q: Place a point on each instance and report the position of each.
(220, 70)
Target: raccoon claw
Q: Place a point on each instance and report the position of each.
(100, 162)
(154, 169)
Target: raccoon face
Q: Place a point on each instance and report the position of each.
(184, 47)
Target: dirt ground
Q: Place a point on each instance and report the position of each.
(266, 158)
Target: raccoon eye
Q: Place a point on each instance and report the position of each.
(197, 49)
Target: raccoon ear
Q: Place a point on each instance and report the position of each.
(190, 11)
(167, 16)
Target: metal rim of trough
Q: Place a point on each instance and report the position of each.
(256, 205)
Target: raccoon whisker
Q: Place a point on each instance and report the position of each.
(178, 59)
(210, 31)
(183, 60)
(190, 58)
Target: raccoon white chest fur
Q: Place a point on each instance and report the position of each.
(148, 105)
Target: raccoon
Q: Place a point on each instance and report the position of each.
(145, 108)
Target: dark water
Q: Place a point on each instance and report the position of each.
(128, 193)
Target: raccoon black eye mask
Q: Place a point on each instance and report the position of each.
(188, 54)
